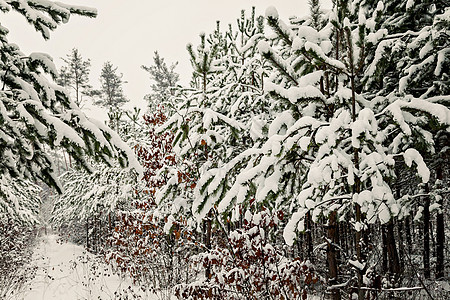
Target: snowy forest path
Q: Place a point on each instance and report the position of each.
(66, 271)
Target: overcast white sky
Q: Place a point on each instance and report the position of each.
(127, 32)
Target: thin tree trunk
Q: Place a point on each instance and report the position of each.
(350, 239)
(65, 160)
(338, 33)
(401, 248)
(309, 241)
(204, 84)
(208, 244)
(333, 239)
(322, 89)
(440, 234)
(394, 262)
(109, 222)
(77, 92)
(426, 235)
(343, 237)
(384, 251)
(58, 162)
(408, 234)
(396, 258)
(300, 247)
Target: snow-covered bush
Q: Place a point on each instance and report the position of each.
(250, 263)
(19, 207)
(86, 210)
(17, 240)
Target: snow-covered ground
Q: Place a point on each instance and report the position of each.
(66, 272)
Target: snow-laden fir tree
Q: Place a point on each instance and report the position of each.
(215, 133)
(19, 200)
(35, 112)
(165, 81)
(412, 60)
(75, 75)
(209, 128)
(111, 93)
(86, 210)
(192, 137)
(327, 155)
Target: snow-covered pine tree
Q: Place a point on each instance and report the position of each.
(410, 70)
(325, 155)
(75, 75)
(19, 206)
(130, 130)
(87, 208)
(355, 163)
(165, 81)
(193, 138)
(315, 14)
(111, 93)
(232, 94)
(238, 95)
(19, 200)
(36, 112)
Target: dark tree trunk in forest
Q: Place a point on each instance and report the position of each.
(345, 238)
(395, 267)
(440, 234)
(426, 234)
(350, 240)
(401, 247)
(300, 247)
(309, 241)
(401, 230)
(333, 239)
(94, 234)
(384, 266)
(204, 83)
(408, 234)
(109, 222)
(394, 262)
(208, 243)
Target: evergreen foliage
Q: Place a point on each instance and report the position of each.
(76, 75)
(308, 157)
(19, 200)
(35, 112)
(165, 81)
(342, 121)
(90, 200)
(112, 96)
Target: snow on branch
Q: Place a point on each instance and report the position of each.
(46, 15)
(412, 155)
